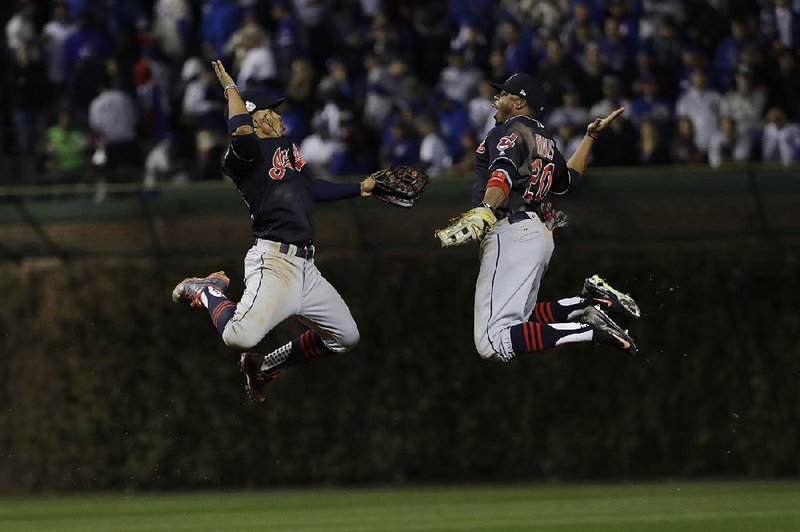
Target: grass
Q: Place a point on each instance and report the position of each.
(710, 506)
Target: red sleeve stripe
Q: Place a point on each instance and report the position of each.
(501, 180)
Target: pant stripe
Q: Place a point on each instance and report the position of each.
(491, 296)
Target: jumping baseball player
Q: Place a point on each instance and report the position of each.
(281, 279)
(517, 166)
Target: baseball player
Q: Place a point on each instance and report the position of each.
(516, 167)
(281, 279)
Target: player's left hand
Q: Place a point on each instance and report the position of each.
(224, 78)
(600, 124)
(366, 186)
(471, 226)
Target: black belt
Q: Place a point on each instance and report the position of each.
(515, 217)
(305, 252)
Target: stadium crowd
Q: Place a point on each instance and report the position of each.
(111, 87)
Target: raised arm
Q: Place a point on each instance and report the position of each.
(580, 159)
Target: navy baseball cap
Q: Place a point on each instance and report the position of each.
(256, 100)
(525, 87)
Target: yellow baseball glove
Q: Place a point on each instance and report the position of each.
(471, 226)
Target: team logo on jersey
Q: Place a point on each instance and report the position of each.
(282, 162)
(299, 162)
(507, 143)
(482, 147)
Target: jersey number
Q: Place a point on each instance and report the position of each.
(541, 179)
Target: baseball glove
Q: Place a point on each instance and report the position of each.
(399, 186)
(471, 226)
(552, 218)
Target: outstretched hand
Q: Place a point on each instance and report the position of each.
(224, 78)
(600, 124)
(366, 186)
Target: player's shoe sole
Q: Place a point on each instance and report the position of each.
(189, 289)
(607, 332)
(255, 380)
(609, 298)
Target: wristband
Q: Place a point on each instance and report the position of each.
(487, 206)
(592, 136)
(230, 86)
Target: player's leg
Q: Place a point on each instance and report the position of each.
(273, 289)
(595, 291)
(332, 328)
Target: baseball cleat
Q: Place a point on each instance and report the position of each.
(607, 332)
(609, 298)
(255, 380)
(189, 289)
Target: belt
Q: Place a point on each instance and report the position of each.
(305, 251)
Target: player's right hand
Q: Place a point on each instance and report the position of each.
(600, 124)
(224, 78)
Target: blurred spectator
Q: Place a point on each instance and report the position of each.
(780, 24)
(209, 147)
(784, 84)
(567, 135)
(745, 104)
(650, 106)
(113, 119)
(20, 31)
(666, 46)
(337, 84)
(257, 68)
(516, 52)
(617, 54)
(617, 145)
(301, 83)
(165, 163)
(290, 42)
(86, 51)
(403, 147)
(781, 138)
(594, 71)
(612, 98)
(459, 80)
(728, 145)
(556, 71)
(653, 12)
(570, 112)
(453, 121)
(202, 101)
(318, 147)
(726, 56)
(295, 120)
(472, 44)
(172, 27)
(683, 149)
(65, 150)
(702, 106)
(481, 110)
(378, 94)
(652, 149)
(434, 157)
(465, 166)
(28, 95)
(55, 34)
(220, 18)
(153, 105)
(353, 156)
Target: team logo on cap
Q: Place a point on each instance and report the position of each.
(522, 92)
(250, 106)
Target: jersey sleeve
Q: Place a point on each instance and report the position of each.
(507, 152)
(239, 156)
(565, 179)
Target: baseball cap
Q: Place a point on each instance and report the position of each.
(525, 87)
(256, 100)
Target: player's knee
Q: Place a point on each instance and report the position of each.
(240, 338)
(349, 338)
(486, 349)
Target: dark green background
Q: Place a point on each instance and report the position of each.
(105, 383)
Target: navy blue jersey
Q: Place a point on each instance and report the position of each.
(520, 157)
(278, 194)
